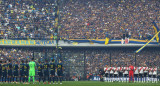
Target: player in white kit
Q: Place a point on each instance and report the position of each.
(120, 73)
(116, 73)
(107, 73)
(136, 74)
(145, 73)
(155, 74)
(111, 74)
(150, 70)
(125, 73)
(141, 72)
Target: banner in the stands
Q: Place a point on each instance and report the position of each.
(26, 42)
(112, 41)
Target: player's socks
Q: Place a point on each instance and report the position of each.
(20, 79)
(26, 79)
(2, 79)
(10, 79)
(29, 79)
(44, 79)
(33, 79)
(126, 79)
(5, 79)
(23, 79)
(39, 79)
(16, 79)
(13, 79)
(60, 79)
(53, 79)
(57, 79)
(48, 79)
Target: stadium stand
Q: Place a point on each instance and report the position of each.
(24, 19)
(79, 19)
(96, 19)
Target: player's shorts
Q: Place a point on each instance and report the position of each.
(106, 75)
(120, 74)
(52, 72)
(21, 73)
(4, 74)
(140, 75)
(111, 75)
(154, 76)
(135, 75)
(26, 73)
(145, 74)
(59, 73)
(115, 75)
(46, 73)
(0, 73)
(40, 74)
(150, 76)
(125, 75)
(9, 72)
(31, 72)
(16, 73)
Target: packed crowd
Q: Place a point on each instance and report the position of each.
(24, 19)
(92, 19)
(15, 54)
(79, 19)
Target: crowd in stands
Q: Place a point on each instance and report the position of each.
(24, 19)
(15, 54)
(79, 19)
(96, 19)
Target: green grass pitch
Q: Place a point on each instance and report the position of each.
(86, 83)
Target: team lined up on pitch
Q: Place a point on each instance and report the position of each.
(23, 72)
(128, 74)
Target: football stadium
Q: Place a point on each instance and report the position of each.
(79, 43)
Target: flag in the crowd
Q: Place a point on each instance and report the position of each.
(156, 29)
(107, 41)
(148, 42)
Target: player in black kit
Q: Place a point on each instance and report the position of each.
(4, 71)
(46, 72)
(15, 71)
(9, 67)
(22, 71)
(0, 70)
(52, 70)
(60, 71)
(26, 71)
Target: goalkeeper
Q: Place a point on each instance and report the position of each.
(32, 66)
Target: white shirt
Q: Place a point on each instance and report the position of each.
(154, 71)
(150, 71)
(116, 70)
(120, 69)
(136, 70)
(111, 68)
(145, 69)
(125, 70)
(107, 69)
(141, 70)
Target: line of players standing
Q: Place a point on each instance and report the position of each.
(11, 72)
(121, 74)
